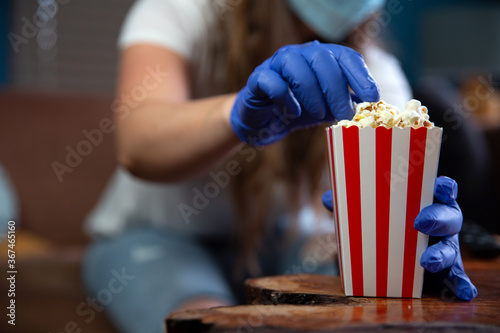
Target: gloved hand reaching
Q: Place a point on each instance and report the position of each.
(300, 86)
(442, 219)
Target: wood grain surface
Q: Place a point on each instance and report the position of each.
(316, 303)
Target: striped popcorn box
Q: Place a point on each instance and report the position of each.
(381, 178)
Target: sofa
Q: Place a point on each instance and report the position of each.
(59, 165)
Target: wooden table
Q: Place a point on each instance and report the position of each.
(315, 303)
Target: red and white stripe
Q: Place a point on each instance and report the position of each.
(381, 179)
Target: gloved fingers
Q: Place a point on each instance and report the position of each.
(294, 68)
(354, 68)
(332, 80)
(355, 98)
(459, 282)
(267, 84)
(455, 278)
(439, 220)
(327, 200)
(440, 255)
(446, 190)
(444, 264)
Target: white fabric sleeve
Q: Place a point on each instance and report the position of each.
(387, 72)
(173, 24)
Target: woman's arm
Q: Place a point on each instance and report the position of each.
(166, 136)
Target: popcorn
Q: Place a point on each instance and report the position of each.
(382, 114)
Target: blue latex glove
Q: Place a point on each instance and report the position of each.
(300, 86)
(442, 219)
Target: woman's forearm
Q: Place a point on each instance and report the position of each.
(170, 141)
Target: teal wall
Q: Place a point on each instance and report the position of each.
(415, 44)
(4, 28)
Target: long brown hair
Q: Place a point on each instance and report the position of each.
(289, 170)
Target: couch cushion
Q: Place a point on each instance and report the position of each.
(58, 151)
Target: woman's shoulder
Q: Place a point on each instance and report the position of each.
(175, 10)
(174, 24)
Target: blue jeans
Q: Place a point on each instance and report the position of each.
(8, 203)
(142, 275)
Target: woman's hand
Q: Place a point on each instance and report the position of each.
(299, 86)
(442, 219)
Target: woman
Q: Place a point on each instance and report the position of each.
(176, 242)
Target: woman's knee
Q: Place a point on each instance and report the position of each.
(150, 267)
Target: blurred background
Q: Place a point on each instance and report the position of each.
(58, 62)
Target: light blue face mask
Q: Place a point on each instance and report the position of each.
(333, 20)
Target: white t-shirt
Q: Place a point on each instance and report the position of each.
(189, 28)
(201, 206)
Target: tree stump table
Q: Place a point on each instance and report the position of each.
(316, 303)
